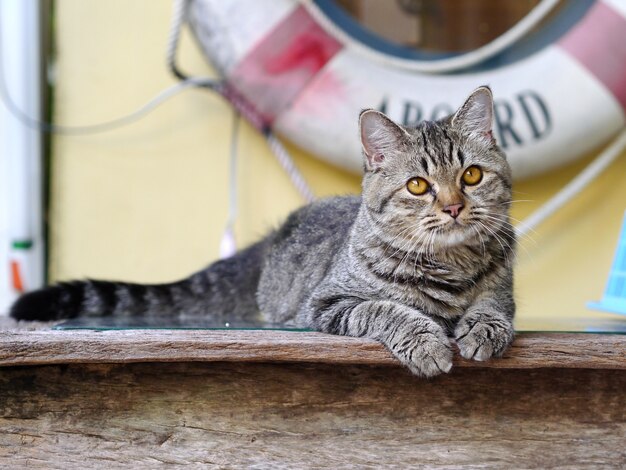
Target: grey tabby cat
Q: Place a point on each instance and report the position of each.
(423, 255)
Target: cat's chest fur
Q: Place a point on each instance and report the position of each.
(442, 284)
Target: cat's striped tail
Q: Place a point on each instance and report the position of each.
(227, 287)
(96, 298)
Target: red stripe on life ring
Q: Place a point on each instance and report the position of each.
(283, 63)
(598, 42)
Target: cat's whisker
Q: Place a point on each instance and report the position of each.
(381, 223)
(417, 255)
(499, 237)
(398, 249)
(430, 252)
(415, 249)
(421, 247)
(499, 240)
(507, 223)
(520, 239)
(406, 255)
(508, 216)
(515, 201)
(383, 227)
(503, 218)
(480, 237)
(503, 223)
(427, 246)
(502, 244)
(421, 243)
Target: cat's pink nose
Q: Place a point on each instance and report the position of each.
(453, 209)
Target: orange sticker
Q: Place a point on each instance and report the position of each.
(16, 276)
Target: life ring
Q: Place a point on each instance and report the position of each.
(308, 70)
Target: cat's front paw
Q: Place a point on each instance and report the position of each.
(480, 336)
(425, 353)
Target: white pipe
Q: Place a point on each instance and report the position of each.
(20, 147)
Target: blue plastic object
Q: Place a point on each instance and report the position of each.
(614, 299)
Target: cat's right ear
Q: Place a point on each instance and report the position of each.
(380, 138)
(475, 117)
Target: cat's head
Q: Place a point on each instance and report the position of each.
(443, 183)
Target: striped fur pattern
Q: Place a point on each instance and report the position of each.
(388, 265)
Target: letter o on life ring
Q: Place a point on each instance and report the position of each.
(308, 69)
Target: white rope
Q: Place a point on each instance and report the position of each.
(256, 120)
(286, 161)
(178, 9)
(463, 61)
(43, 126)
(121, 121)
(570, 190)
(228, 244)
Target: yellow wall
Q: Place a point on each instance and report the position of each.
(148, 202)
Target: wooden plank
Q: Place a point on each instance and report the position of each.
(250, 415)
(530, 350)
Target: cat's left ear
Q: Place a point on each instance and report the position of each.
(381, 138)
(475, 117)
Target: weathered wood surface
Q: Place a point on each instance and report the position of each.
(530, 350)
(227, 415)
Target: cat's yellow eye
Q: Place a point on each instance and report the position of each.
(472, 175)
(417, 186)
